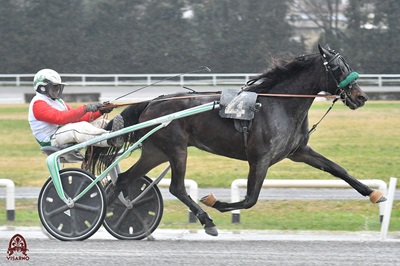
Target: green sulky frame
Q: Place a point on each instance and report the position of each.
(53, 160)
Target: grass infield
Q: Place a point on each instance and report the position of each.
(365, 142)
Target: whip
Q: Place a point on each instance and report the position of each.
(200, 69)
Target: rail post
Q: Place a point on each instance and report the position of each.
(193, 192)
(388, 209)
(10, 198)
(235, 197)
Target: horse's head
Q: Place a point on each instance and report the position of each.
(344, 78)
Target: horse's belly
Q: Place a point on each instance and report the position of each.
(218, 136)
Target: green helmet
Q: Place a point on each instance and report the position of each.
(48, 82)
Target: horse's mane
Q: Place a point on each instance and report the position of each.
(281, 70)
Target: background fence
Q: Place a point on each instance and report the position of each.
(374, 80)
(17, 88)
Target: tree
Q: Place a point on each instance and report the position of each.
(327, 16)
(111, 34)
(167, 40)
(375, 35)
(143, 36)
(241, 35)
(369, 36)
(12, 49)
(43, 40)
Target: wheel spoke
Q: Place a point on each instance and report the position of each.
(144, 200)
(54, 212)
(88, 208)
(79, 189)
(121, 218)
(74, 223)
(139, 218)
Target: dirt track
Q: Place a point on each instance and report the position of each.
(181, 247)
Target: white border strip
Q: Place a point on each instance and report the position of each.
(388, 209)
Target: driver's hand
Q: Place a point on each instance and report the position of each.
(93, 107)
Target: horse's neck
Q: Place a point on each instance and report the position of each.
(297, 107)
(305, 84)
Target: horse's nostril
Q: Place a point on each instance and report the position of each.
(362, 98)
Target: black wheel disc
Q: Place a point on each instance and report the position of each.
(84, 218)
(142, 218)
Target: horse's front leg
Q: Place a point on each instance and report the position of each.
(255, 181)
(177, 188)
(307, 155)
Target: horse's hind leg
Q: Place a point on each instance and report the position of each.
(307, 155)
(149, 159)
(152, 157)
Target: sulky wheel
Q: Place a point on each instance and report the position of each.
(84, 218)
(139, 220)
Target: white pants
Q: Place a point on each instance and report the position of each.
(80, 132)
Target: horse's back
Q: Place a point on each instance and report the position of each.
(206, 131)
(270, 132)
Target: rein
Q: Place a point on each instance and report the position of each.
(113, 105)
(299, 95)
(314, 127)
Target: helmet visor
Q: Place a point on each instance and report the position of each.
(54, 91)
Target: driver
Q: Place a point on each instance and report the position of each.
(54, 123)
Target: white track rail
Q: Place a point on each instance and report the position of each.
(276, 183)
(193, 192)
(10, 198)
(388, 210)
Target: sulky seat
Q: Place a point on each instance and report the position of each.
(71, 157)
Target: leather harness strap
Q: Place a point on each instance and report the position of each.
(114, 105)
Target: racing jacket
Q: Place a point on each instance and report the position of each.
(46, 116)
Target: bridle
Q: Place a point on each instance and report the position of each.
(341, 72)
(344, 77)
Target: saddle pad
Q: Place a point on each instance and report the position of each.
(237, 104)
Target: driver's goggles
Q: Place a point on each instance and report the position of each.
(54, 87)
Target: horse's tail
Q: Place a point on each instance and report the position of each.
(97, 159)
(132, 113)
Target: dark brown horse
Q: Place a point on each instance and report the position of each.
(279, 129)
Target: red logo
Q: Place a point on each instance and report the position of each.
(17, 248)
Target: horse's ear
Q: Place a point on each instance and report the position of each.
(326, 52)
(322, 51)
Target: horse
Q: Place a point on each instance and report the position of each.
(279, 130)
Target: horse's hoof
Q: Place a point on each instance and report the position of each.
(212, 231)
(209, 200)
(382, 199)
(377, 197)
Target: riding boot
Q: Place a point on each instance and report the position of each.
(117, 124)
